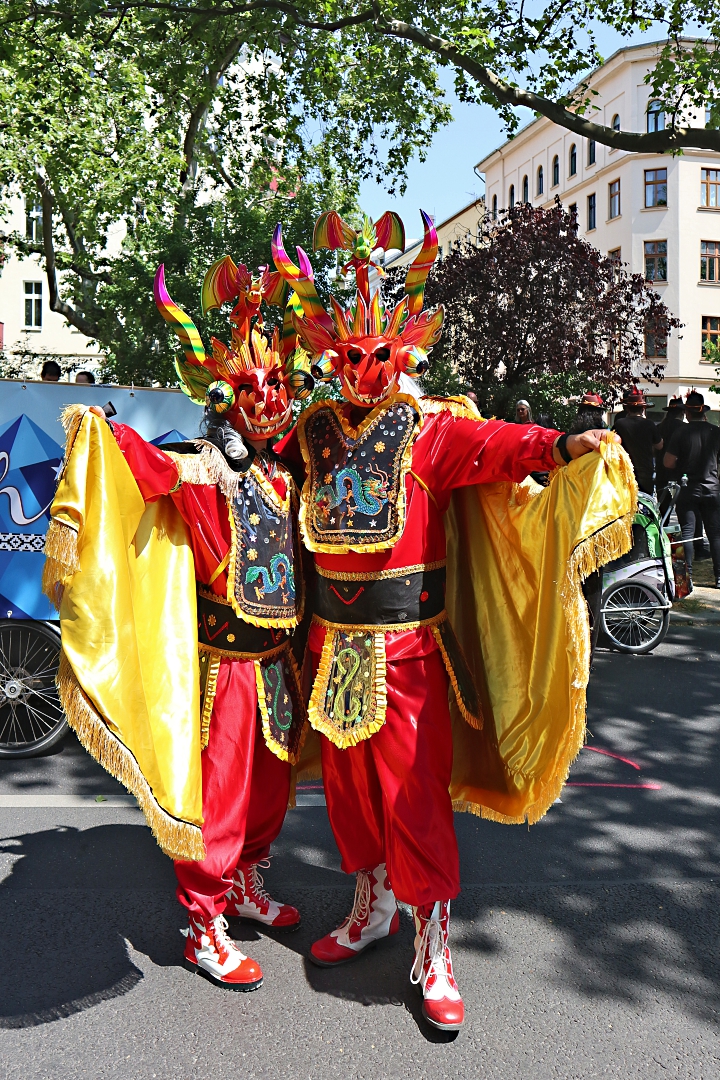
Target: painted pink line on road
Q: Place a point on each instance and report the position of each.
(609, 753)
(584, 783)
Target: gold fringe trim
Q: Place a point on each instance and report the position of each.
(460, 406)
(354, 433)
(178, 839)
(209, 693)
(208, 468)
(474, 721)
(316, 707)
(382, 628)
(379, 575)
(212, 651)
(61, 559)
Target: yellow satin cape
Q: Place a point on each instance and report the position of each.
(122, 576)
(517, 556)
(516, 562)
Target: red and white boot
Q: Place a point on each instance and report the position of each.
(432, 971)
(211, 953)
(248, 899)
(374, 916)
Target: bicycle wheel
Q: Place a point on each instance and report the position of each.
(635, 617)
(31, 717)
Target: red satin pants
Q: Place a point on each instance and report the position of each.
(388, 798)
(245, 792)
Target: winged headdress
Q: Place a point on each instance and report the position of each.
(215, 379)
(365, 344)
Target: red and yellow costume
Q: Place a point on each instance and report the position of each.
(391, 482)
(178, 673)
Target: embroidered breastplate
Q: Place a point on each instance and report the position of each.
(262, 571)
(354, 497)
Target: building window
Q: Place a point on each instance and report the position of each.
(709, 260)
(494, 208)
(573, 160)
(33, 305)
(710, 187)
(440, 253)
(33, 222)
(655, 346)
(540, 180)
(572, 211)
(655, 116)
(615, 255)
(592, 212)
(656, 187)
(591, 152)
(656, 260)
(710, 332)
(614, 199)
(526, 189)
(511, 200)
(616, 122)
(556, 171)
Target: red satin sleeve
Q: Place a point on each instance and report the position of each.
(155, 473)
(452, 452)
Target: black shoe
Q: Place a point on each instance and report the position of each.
(717, 583)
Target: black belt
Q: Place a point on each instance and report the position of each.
(408, 598)
(221, 629)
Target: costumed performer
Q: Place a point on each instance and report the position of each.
(206, 743)
(377, 514)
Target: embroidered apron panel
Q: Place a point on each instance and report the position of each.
(262, 575)
(281, 705)
(348, 701)
(355, 496)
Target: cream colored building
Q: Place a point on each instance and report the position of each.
(659, 214)
(28, 327)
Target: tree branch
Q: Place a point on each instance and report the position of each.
(654, 142)
(200, 111)
(56, 303)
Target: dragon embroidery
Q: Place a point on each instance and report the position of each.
(280, 576)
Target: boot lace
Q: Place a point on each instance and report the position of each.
(220, 926)
(363, 899)
(431, 942)
(257, 882)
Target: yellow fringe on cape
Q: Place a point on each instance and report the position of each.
(124, 577)
(176, 838)
(514, 597)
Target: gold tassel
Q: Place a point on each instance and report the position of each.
(178, 839)
(61, 559)
(209, 467)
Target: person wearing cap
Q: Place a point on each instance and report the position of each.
(693, 450)
(590, 414)
(640, 437)
(674, 418)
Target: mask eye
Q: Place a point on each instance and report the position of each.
(354, 355)
(382, 355)
(273, 382)
(246, 388)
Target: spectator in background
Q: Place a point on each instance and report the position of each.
(693, 450)
(590, 414)
(85, 377)
(674, 418)
(639, 437)
(523, 412)
(50, 371)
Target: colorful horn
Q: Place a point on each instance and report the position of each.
(181, 323)
(420, 268)
(300, 279)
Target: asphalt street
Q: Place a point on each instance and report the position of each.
(586, 946)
